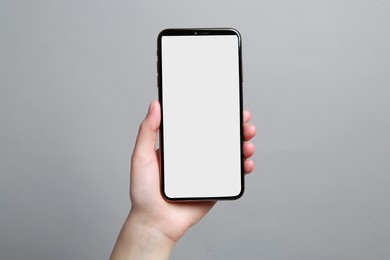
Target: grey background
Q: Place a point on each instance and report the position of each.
(76, 78)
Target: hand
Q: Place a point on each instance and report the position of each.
(160, 223)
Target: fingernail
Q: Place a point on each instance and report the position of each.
(151, 107)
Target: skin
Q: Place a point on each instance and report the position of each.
(154, 225)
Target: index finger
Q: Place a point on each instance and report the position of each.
(246, 115)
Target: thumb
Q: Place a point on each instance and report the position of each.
(146, 140)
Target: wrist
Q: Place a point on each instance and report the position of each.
(139, 239)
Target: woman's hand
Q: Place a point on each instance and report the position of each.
(154, 225)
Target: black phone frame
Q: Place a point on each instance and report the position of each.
(197, 32)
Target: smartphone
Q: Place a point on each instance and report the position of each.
(201, 133)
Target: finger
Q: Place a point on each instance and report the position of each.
(246, 116)
(249, 132)
(248, 149)
(249, 166)
(146, 139)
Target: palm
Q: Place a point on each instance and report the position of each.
(144, 191)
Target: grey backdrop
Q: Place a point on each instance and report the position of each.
(76, 78)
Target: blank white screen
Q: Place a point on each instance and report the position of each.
(201, 113)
